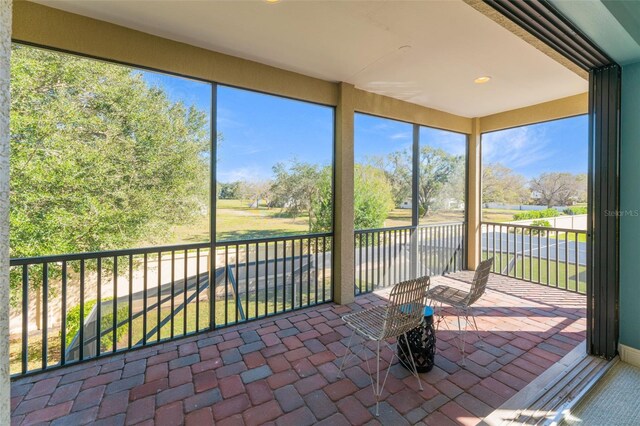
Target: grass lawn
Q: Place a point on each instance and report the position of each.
(236, 220)
(498, 215)
(442, 216)
(402, 217)
(34, 352)
(398, 217)
(582, 238)
(544, 272)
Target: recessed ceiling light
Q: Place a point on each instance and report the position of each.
(482, 80)
(272, 1)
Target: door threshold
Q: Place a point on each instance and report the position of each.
(552, 395)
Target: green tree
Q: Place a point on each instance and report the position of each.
(441, 175)
(373, 199)
(229, 191)
(254, 192)
(560, 189)
(295, 186)
(398, 168)
(321, 210)
(99, 159)
(500, 184)
(437, 169)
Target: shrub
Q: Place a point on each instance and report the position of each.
(372, 203)
(536, 214)
(549, 213)
(575, 210)
(540, 223)
(106, 321)
(73, 319)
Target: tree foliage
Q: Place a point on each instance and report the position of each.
(373, 199)
(500, 184)
(308, 188)
(99, 158)
(454, 190)
(441, 175)
(229, 191)
(437, 169)
(321, 208)
(559, 189)
(295, 186)
(255, 191)
(399, 170)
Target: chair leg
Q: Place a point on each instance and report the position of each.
(413, 362)
(464, 334)
(377, 391)
(440, 316)
(475, 324)
(346, 354)
(468, 311)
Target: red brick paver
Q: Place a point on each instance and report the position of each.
(283, 370)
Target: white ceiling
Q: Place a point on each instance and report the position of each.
(450, 44)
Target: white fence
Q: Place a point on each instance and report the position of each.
(578, 221)
(521, 207)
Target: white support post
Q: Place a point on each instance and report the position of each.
(5, 53)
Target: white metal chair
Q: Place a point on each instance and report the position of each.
(462, 300)
(403, 313)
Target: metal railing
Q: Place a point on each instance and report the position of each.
(81, 306)
(555, 257)
(386, 256)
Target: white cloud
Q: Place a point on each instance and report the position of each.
(453, 143)
(248, 174)
(517, 148)
(247, 148)
(226, 119)
(400, 135)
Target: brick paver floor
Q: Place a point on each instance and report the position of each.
(283, 370)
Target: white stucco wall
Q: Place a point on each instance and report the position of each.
(5, 52)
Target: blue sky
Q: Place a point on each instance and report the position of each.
(453, 143)
(191, 92)
(257, 130)
(260, 130)
(554, 146)
(377, 137)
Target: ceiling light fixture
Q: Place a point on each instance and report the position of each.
(272, 1)
(482, 80)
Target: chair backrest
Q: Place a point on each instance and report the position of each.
(406, 306)
(479, 283)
